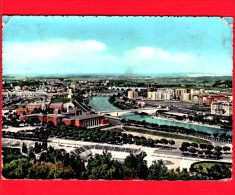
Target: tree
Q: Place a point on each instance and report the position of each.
(185, 144)
(16, 169)
(203, 146)
(24, 148)
(158, 171)
(192, 150)
(226, 148)
(215, 134)
(218, 148)
(210, 147)
(44, 145)
(195, 145)
(135, 167)
(103, 167)
(171, 142)
(183, 175)
(50, 124)
(48, 170)
(123, 120)
(164, 141)
(217, 153)
(37, 147)
(183, 149)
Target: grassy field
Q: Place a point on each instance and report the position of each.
(166, 135)
(208, 164)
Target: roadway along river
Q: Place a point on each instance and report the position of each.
(101, 103)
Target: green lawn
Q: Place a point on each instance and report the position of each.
(207, 164)
(167, 135)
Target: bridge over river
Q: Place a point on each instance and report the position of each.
(148, 110)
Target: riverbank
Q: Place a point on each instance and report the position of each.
(102, 104)
(188, 122)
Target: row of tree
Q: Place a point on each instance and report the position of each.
(175, 129)
(56, 164)
(203, 150)
(75, 133)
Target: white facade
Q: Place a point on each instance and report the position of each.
(222, 108)
(132, 94)
(186, 97)
(162, 94)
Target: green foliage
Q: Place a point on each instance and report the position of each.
(37, 147)
(54, 156)
(163, 134)
(212, 170)
(223, 83)
(56, 164)
(103, 167)
(47, 170)
(10, 154)
(122, 106)
(135, 167)
(16, 169)
(158, 171)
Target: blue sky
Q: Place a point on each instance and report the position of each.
(141, 45)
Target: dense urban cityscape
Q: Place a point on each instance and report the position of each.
(117, 127)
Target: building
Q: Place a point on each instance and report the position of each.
(179, 93)
(141, 104)
(186, 97)
(161, 94)
(24, 88)
(74, 117)
(132, 95)
(27, 93)
(30, 107)
(151, 95)
(17, 88)
(216, 98)
(196, 99)
(222, 108)
(89, 120)
(56, 106)
(166, 96)
(70, 93)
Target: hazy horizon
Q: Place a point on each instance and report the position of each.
(119, 75)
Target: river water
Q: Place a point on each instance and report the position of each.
(100, 103)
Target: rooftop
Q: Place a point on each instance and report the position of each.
(56, 115)
(36, 114)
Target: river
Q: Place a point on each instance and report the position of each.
(100, 103)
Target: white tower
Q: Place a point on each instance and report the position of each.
(70, 94)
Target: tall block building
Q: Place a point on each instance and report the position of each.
(132, 95)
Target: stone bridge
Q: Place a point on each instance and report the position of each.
(126, 88)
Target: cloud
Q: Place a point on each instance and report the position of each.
(91, 56)
(153, 59)
(158, 54)
(56, 55)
